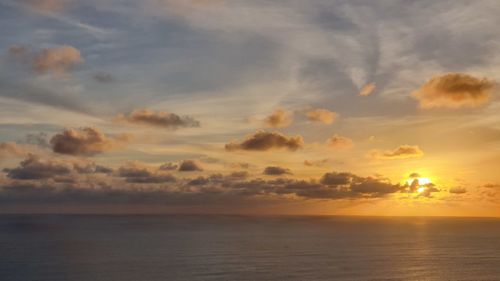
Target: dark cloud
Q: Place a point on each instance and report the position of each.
(158, 119)
(169, 167)
(401, 152)
(279, 119)
(454, 90)
(276, 171)
(190, 166)
(142, 186)
(458, 190)
(86, 141)
(414, 175)
(34, 168)
(262, 141)
(103, 77)
(337, 178)
(135, 172)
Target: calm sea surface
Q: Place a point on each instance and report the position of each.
(142, 248)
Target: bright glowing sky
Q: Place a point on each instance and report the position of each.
(269, 107)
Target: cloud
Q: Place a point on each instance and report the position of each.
(276, 171)
(316, 163)
(142, 187)
(190, 166)
(279, 119)
(48, 5)
(135, 172)
(169, 167)
(339, 142)
(239, 175)
(335, 178)
(86, 142)
(367, 89)
(12, 149)
(324, 116)
(91, 168)
(458, 190)
(158, 119)
(414, 175)
(34, 168)
(454, 90)
(57, 61)
(103, 77)
(401, 152)
(263, 141)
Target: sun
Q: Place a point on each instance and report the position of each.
(421, 181)
(420, 189)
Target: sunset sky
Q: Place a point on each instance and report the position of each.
(250, 107)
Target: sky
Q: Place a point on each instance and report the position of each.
(250, 107)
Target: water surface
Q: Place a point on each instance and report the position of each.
(152, 247)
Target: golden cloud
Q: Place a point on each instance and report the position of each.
(367, 89)
(263, 141)
(321, 115)
(279, 119)
(454, 90)
(401, 152)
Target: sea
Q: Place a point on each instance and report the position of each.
(216, 247)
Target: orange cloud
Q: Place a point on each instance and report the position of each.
(263, 141)
(86, 141)
(158, 119)
(12, 149)
(339, 142)
(321, 115)
(454, 90)
(367, 89)
(401, 152)
(279, 119)
(458, 190)
(57, 61)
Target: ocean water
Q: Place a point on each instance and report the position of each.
(153, 247)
